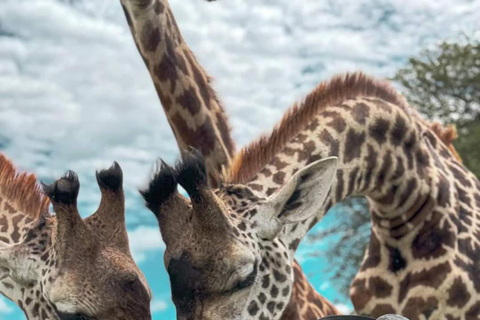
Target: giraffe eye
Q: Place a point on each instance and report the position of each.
(72, 316)
(248, 281)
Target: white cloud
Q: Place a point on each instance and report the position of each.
(4, 307)
(159, 305)
(343, 308)
(145, 241)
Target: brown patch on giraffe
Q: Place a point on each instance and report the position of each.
(458, 295)
(374, 254)
(382, 309)
(150, 37)
(474, 312)
(257, 154)
(379, 287)
(200, 79)
(360, 113)
(417, 307)
(337, 122)
(333, 144)
(432, 277)
(432, 239)
(361, 296)
(22, 191)
(189, 100)
(202, 138)
(353, 145)
(378, 130)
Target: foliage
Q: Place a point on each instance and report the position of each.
(444, 82)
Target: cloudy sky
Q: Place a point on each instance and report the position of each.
(74, 93)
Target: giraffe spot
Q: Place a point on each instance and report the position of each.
(202, 82)
(432, 239)
(339, 186)
(263, 317)
(419, 306)
(373, 254)
(279, 164)
(353, 145)
(3, 223)
(274, 291)
(386, 166)
(379, 130)
(432, 277)
(458, 295)
(408, 146)
(189, 101)
(382, 309)
(280, 277)
(337, 122)
(224, 129)
(360, 113)
(150, 37)
(399, 130)
(262, 298)
(360, 294)
(474, 312)
(306, 151)
(294, 244)
(379, 287)
(397, 262)
(166, 71)
(271, 306)
(327, 139)
(443, 194)
(279, 177)
(464, 197)
(410, 188)
(265, 281)
(253, 308)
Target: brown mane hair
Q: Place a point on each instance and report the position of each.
(447, 135)
(253, 157)
(22, 190)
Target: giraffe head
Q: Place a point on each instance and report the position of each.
(83, 266)
(226, 254)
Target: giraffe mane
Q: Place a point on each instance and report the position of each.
(447, 135)
(22, 190)
(253, 157)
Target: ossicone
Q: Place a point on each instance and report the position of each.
(111, 178)
(192, 174)
(64, 190)
(161, 187)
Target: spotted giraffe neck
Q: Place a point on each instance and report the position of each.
(424, 250)
(193, 111)
(190, 103)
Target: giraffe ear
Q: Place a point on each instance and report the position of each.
(300, 197)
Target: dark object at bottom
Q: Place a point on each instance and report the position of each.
(347, 318)
(385, 317)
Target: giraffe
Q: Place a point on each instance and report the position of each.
(229, 249)
(190, 104)
(65, 267)
(199, 121)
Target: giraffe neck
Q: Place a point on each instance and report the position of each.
(424, 205)
(191, 106)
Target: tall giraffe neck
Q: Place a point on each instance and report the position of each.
(424, 248)
(195, 114)
(191, 106)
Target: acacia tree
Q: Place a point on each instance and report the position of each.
(443, 83)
